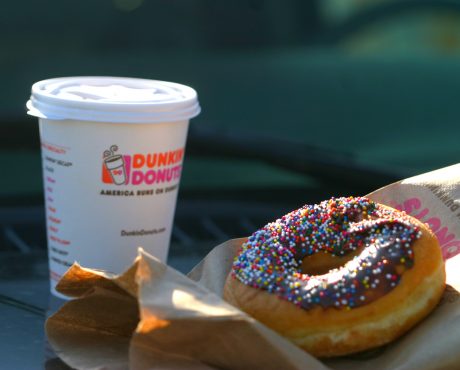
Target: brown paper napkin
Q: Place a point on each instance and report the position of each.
(153, 317)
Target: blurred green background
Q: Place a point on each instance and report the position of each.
(376, 81)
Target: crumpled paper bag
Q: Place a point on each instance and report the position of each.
(154, 317)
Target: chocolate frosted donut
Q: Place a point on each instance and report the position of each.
(339, 277)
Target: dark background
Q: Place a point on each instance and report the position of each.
(348, 95)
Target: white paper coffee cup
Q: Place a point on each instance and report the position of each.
(112, 154)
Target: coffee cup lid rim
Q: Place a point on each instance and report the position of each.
(112, 99)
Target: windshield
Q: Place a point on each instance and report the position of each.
(324, 83)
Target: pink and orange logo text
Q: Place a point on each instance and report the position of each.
(141, 169)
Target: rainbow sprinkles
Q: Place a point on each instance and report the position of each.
(271, 258)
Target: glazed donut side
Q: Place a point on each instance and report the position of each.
(328, 332)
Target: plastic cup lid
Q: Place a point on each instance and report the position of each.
(112, 99)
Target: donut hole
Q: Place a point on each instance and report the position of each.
(322, 262)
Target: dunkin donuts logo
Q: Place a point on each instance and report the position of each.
(141, 168)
